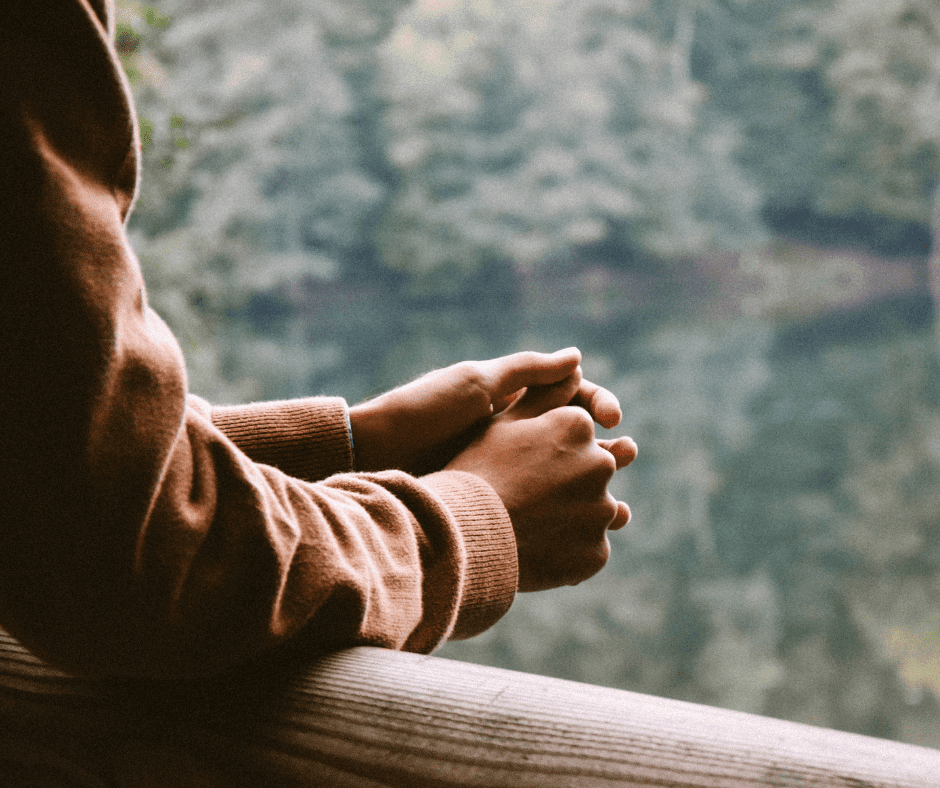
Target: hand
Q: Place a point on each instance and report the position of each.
(542, 459)
(421, 426)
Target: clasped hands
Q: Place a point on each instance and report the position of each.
(524, 423)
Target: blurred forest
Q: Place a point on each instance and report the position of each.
(729, 205)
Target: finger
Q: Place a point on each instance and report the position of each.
(593, 560)
(599, 402)
(621, 518)
(624, 450)
(539, 400)
(500, 404)
(509, 374)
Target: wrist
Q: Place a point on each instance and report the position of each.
(369, 428)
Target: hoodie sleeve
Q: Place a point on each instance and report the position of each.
(309, 438)
(142, 532)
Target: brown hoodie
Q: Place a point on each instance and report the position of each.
(143, 532)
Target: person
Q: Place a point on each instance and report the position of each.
(145, 533)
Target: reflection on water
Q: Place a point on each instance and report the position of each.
(783, 556)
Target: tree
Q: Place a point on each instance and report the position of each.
(884, 143)
(763, 65)
(520, 132)
(838, 112)
(253, 181)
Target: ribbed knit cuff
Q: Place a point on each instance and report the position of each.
(305, 438)
(492, 573)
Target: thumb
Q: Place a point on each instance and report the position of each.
(541, 399)
(510, 374)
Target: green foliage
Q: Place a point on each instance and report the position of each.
(885, 118)
(470, 132)
(839, 106)
(520, 131)
(763, 65)
(252, 180)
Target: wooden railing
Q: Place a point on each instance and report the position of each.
(368, 717)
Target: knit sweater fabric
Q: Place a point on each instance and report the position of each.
(142, 531)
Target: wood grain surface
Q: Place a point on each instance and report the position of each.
(370, 717)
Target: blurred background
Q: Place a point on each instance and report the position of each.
(728, 205)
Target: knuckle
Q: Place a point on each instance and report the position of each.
(613, 508)
(597, 471)
(601, 555)
(607, 463)
(607, 512)
(526, 358)
(578, 423)
(470, 372)
(604, 511)
(472, 379)
(595, 558)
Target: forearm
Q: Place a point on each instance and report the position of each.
(137, 538)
